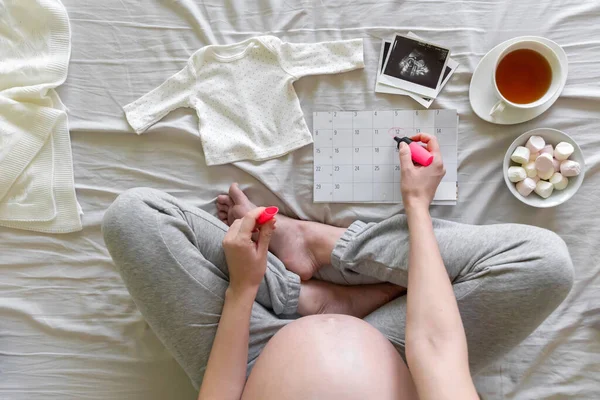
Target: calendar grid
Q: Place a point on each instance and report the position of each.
(356, 160)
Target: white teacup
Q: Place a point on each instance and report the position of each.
(552, 59)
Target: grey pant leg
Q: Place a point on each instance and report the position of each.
(507, 278)
(170, 257)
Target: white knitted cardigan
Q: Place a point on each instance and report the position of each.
(37, 191)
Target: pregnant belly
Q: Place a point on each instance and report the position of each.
(329, 357)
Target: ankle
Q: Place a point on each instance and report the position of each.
(320, 240)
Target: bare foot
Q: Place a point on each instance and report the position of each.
(318, 297)
(302, 246)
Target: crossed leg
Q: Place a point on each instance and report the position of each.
(507, 278)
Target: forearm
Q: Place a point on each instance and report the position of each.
(436, 346)
(225, 375)
(432, 308)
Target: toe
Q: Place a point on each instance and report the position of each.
(236, 194)
(224, 199)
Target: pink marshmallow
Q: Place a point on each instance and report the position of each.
(570, 168)
(544, 163)
(535, 144)
(548, 149)
(556, 164)
(526, 186)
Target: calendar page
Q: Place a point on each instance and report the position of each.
(356, 159)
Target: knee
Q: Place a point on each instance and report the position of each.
(553, 269)
(125, 213)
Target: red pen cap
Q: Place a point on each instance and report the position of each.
(267, 215)
(418, 153)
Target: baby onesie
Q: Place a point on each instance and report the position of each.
(244, 96)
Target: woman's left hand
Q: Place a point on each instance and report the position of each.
(246, 259)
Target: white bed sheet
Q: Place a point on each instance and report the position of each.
(68, 328)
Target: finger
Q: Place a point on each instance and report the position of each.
(222, 207)
(422, 137)
(222, 215)
(235, 227)
(432, 143)
(264, 236)
(249, 222)
(405, 157)
(232, 232)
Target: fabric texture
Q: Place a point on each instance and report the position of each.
(70, 329)
(37, 191)
(171, 259)
(244, 96)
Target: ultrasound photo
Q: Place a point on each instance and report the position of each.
(386, 49)
(416, 62)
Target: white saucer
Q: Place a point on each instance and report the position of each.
(483, 97)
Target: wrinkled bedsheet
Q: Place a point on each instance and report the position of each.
(69, 329)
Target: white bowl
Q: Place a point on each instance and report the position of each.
(553, 137)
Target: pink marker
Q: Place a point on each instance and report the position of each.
(267, 215)
(417, 152)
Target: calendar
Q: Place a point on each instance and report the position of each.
(356, 159)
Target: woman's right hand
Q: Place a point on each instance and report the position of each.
(417, 183)
(246, 259)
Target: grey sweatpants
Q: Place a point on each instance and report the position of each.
(507, 278)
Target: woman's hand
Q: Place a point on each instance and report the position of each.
(225, 374)
(418, 184)
(247, 260)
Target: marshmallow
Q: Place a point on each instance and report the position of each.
(556, 164)
(530, 169)
(520, 155)
(516, 174)
(544, 189)
(570, 168)
(533, 156)
(563, 150)
(560, 182)
(535, 144)
(525, 187)
(536, 179)
(548, 149)
(546, 174)
(544, 163)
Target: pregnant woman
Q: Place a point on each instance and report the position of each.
(241, 314)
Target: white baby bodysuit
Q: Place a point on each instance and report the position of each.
(244, 96)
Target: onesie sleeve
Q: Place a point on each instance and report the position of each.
(301, 59)
(174, 93)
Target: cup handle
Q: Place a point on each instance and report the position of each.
(498, 108)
